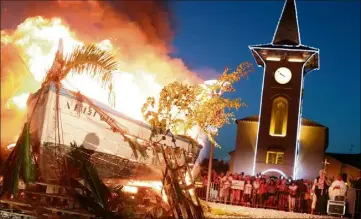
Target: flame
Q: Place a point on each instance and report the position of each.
(36, 40)
(130, 189)
(157, 186)
(19, 101)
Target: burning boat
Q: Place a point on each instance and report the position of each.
(79, 122)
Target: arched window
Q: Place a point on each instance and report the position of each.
(278, 126)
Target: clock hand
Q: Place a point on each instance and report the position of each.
(282, 74)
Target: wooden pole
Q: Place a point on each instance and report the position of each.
(209, 170)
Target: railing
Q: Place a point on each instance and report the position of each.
(276, 201)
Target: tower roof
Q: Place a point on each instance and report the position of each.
(287, 32)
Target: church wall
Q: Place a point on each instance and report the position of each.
(336, 167)
(352, 172)
(312, 141)
(243, 157)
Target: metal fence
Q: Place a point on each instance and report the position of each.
(277, 201)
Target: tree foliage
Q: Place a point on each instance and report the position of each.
(182, 107)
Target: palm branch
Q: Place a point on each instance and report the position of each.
(94, 194)
(19, 164)
(85, 59)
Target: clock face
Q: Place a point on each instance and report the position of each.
(283, 75)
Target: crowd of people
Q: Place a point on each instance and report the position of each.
(305, 196)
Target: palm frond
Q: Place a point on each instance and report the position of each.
(89, 173)
(136, 147)
(27, 164)
(19, 164)
(93, 61)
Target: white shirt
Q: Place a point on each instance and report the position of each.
(248, 189)
(337, 188)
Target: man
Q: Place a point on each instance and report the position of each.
(337, 188)
(319, 190)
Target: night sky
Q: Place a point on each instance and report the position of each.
(212, 35)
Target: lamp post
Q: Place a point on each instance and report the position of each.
(209, 170)
(211, 149)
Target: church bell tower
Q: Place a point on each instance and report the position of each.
(286, 62)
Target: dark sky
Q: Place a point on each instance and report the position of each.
(212, 35)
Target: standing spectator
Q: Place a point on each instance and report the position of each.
(227, 182)
(319, 199)
(292, 196)
(242, 178)
(248, 192)
(283, 194)
(262, 191)
(307, 206)
(301, 195)
(221, 190)
(271, 193)
(256, 197)
(235, 191)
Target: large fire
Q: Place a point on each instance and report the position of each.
(144, 67)
(37, 39)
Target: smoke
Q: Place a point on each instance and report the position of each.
(96, 19)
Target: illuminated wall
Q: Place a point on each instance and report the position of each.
(312, 145)
(242, 158)
(312, 141)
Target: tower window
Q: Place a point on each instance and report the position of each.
(279, 116)
(274, 157)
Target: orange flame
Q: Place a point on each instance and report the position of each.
(36, 40)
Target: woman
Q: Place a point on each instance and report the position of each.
(319, 189)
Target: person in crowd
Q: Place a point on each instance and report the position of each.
(227, 182)
(235, 190)
(319, 199)
(256, 196)
(248, 192)
(307, 198)
(241, 194)
(283, 194)
(337, 188)
(214, 186)
(271, 189)
(292, 196)
(301, 190)
(262, 191)
(221, 190)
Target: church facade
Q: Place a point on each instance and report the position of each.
(278, 140)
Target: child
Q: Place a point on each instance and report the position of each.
(292, 196)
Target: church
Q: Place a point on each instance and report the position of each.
(279, 141)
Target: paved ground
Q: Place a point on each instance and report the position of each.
(231, 211)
